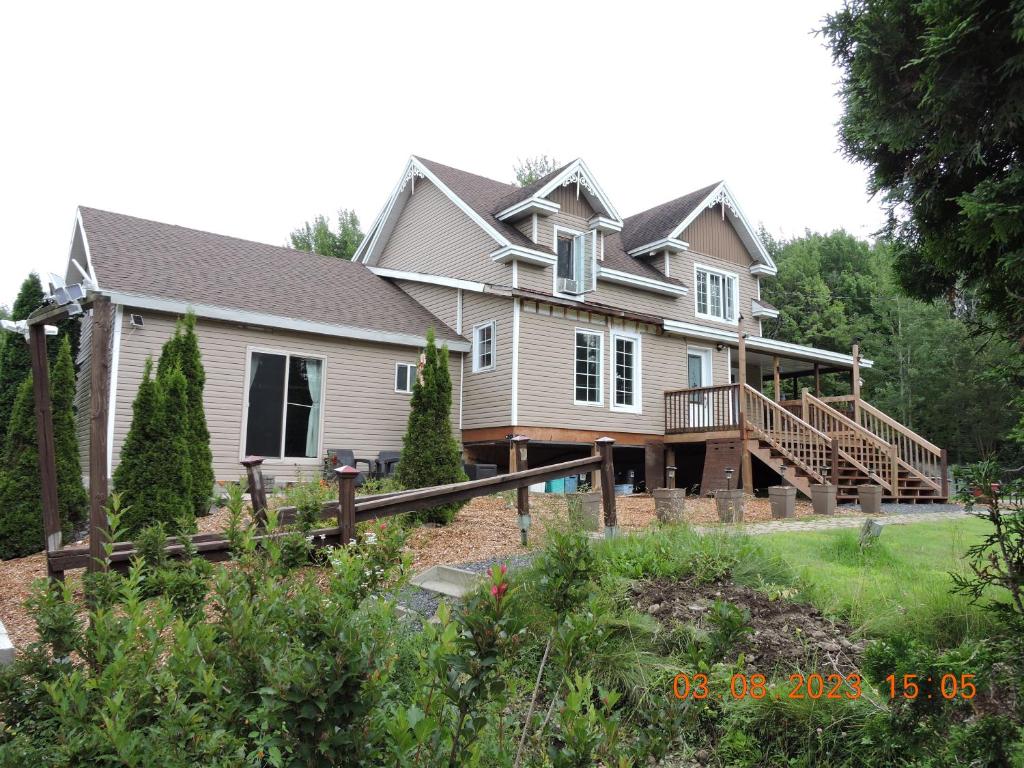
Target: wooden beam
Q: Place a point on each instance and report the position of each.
(44, 432)
(805, 372)
(556, 435)
(855, 381)
(605, 449)
(817, 379)
(746, 465)
(777, 378)
(99, 404)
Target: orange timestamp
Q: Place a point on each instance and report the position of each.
(755, 686)
(950, 686)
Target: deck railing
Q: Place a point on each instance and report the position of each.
(802, 444)
(702, 409)
(861, 448)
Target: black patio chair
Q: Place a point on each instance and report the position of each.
(387, 461)
(345, 457)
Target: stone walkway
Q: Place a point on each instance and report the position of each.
(830, 523)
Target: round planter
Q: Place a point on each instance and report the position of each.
(730, 505)
(783, 501)
(669, 504)
(870, 498)
(823, 498)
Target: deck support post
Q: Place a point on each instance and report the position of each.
(605, 449)
(257, 493)
(855, 381)
(519, 459)
(817, 379)
(670, 467)
(894, 462)
(346, 503)
(746, 465)
(99, 405)
(945, 474)
(44, 432)
(777, 378)
(834, 450)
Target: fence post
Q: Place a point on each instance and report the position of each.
(894, 462)
(347, 503)
(258, 494)
(44, 431)
(611, 520)
(945, 475)
(834, 447)
(520, 449)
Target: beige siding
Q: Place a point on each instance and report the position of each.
(83, 388)
(441, 301)
(572, 204)
(361, 409)
(681, 267)
(711, 234)
(433, 236)
(487, 395)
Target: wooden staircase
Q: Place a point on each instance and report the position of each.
(811, 441)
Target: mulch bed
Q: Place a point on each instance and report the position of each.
(787, 636)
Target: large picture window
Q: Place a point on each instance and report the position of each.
(588, 368)
(626, 373)
(284, 395)
(716, 294)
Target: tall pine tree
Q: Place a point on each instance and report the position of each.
(182, 351)
(15, 361)
(72, 499)
(430, 453)
(21, 507)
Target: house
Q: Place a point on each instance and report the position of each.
(566, 321)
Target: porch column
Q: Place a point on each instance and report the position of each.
(777, 377)
(746, 468)
(855, 381)
(817, 379)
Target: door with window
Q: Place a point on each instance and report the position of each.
(284, 394)
(698, 374)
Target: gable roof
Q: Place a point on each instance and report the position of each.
(135, 259)
(658, 222)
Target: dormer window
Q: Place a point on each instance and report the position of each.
(570, 262)
(717, 296)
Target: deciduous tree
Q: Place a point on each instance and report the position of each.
(317, 236)
(533, 168)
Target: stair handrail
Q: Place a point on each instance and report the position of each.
(815, 458)
(903, 429)
(917, 455)
(884, 462)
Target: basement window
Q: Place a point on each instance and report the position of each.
(283, 398)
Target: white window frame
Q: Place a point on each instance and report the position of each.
(412, 373)
(599, 403)
(557, 229)
(314, 461)
(477, 368)
(724, 274)
(637, 406)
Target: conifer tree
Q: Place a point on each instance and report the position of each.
(173, 497)
(72, 500)
(21, 507)
(139, 462)
(15, 360)
(430, 453)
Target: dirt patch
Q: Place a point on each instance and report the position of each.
(787, 637)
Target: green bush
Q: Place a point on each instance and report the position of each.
(15, 356)
(430, 453)
(21, 508)
(72, 500)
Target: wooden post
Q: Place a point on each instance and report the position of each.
(605, 446)
(595, 476)
(258, 494)
(99, 405)
(746, 465)
(834, 449)
(855, 381)
(44, 430)
(796, 387)
(777, 378)
(894, 462)
(817, 379)
(944, 468)
(670, 467)
(347, 503)
(805, 406)
(519, 457)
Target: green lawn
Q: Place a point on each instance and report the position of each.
(900, 585)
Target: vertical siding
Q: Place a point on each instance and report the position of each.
(83, 387)
(572, 205)
(487, 395)
(441, 301)
(433, 236)
(361, 409)
(711, 234)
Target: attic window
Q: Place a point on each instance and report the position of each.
(569, 270)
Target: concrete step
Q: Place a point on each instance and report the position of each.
(445, 580)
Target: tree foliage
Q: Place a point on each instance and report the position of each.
(72, 500)
(182, 352)
(317, 236)
(21, 508)
(533, 168)
(430, 453)
(934, 94)
(15, 360)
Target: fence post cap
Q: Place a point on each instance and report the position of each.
(346, 471)
(605, 441)
(252, 461)
(520, 439)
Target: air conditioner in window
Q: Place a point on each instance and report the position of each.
(567, 285)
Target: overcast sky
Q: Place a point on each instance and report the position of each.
(247, 119)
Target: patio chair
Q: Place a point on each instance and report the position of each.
(345, 457)
(387, 461)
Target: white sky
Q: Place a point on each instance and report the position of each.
(247, 119)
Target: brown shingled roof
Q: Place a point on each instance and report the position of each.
(152, 259)
(658, 222)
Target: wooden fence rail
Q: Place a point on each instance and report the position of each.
(350, 510)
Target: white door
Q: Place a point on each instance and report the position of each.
(698, 374)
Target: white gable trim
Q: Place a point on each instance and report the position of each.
(665, 244)
(421, 277)
(512, 252)
(640, 282)
(755, 247)
(577, 170)
(530, 205)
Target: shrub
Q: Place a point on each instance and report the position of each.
(430, 453)
(308, 499)
(21, 509)
(72, 500)
(15, 357)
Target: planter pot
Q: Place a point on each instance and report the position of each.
(783, 501)
(823, 497)
(730, 505)
(590, 510)
(668, 504)
(870, 498)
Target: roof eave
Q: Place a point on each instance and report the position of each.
(665, 244)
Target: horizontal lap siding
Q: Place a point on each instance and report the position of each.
(681, 268)
(433, 236)
(361, 409)
(439, 300)
(487, 395)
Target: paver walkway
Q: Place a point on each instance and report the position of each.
(830, 523)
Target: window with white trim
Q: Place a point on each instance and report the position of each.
(284, 395)
(569, 268)
(405, 375)
(716, 294)
(588, 368)
(483, 347)
(626, 372)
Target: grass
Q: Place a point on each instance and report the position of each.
(899, 585)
